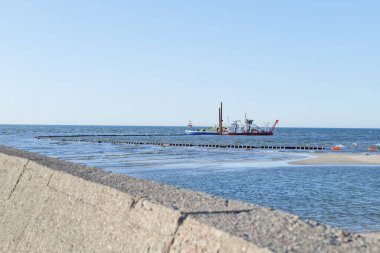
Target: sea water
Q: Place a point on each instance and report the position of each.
(343, 196)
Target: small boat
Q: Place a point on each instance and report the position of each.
(249, 128)
(209, 131)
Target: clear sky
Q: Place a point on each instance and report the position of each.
(308, 63)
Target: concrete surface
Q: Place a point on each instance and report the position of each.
(48, 205)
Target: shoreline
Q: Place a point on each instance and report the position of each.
(47, 198)
(339, 159)
(375, 235)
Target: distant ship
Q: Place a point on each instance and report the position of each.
(208, 131)
(201, 132)
(249, 128)
(236, 128)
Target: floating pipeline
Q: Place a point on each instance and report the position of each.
(107, 135)
(164, 144)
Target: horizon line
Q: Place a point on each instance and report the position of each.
(110, 125)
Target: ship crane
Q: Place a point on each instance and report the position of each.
(274, 125)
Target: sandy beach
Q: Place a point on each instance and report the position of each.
(340, 159)
(371, 235)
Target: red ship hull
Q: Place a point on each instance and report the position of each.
(252, 134)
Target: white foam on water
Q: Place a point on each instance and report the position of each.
(215, 163)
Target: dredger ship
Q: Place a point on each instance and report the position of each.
(236, 128)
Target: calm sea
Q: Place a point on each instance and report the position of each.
(341, 196)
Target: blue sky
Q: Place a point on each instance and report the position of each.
(307, 63)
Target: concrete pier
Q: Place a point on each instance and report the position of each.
(48, 205)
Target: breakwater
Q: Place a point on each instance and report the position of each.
(52, 205)
(165, 144)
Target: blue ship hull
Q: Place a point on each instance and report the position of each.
(198, 132)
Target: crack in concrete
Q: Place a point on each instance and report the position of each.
(134, 203)
(184, 216)
(49, 180)
(180, 221)
(18, 179)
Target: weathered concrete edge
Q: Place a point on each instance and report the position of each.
(275, 230)
(179, 199)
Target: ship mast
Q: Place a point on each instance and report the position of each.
(221, 118)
